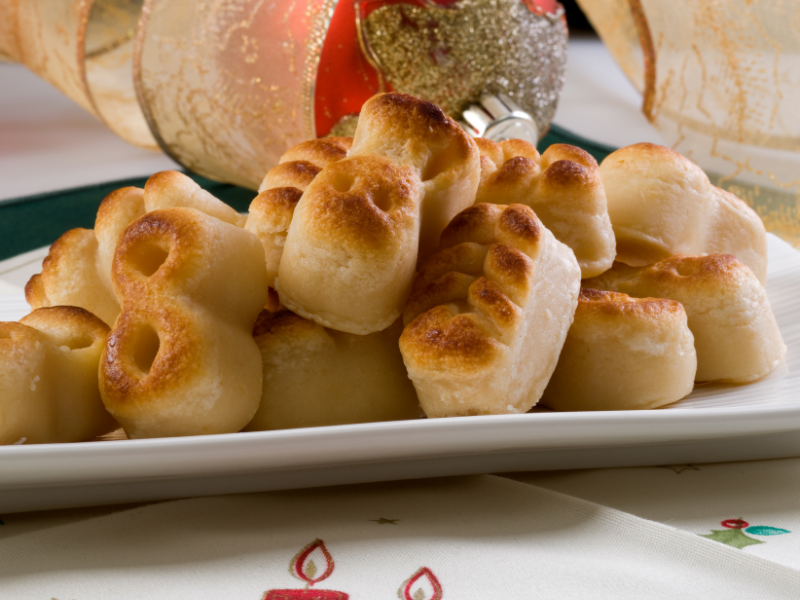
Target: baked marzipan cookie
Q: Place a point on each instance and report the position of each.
(181, 359)
(735, 333)
(315, 376)
(662, 204)
(363, 222)
(77, 270)
(489, 313)
(562, 186)
(623, 353)
(417, 134)
(48, 377)
(271, 211)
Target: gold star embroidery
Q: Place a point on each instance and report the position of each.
(383, 521)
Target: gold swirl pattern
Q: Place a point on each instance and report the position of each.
(225, 84)
(721, 82)
(85, 49)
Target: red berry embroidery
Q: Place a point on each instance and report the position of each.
(734, 524)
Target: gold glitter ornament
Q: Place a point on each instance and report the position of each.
(452, 55)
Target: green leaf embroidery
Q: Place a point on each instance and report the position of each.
(731, 537)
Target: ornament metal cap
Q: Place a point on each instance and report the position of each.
(499, 118)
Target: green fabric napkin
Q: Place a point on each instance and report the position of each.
(31, 222)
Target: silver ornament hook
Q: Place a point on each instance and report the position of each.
(499, 118)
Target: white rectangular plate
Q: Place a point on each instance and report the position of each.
(714, 423)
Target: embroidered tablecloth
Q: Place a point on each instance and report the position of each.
(470, 537)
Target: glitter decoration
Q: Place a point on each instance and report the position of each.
(455, 54)
(346, 127)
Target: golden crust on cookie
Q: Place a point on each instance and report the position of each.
(71, 277)
(301, 163)
(48, 377)
(181, 359)
(169, 189)
(77, 270)
(35, 295)
(488, 313)
(735, 332)
(623, 353)
(354, 235)
(418, 134)
(271, 212)
(314, 376)
(365, 221)
(662, 204)
(562, 186)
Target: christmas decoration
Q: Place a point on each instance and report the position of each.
(422, 585)
(734, 533)
(238, 83)
(225, 87)
(305, 568)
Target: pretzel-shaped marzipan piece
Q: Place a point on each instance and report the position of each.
(363, 222)
(489, 313)
(181, 359)
(77, 270)
(662, 204)
(314, 376)
(623, 353)
(271, 211)
(735, 332)
(562, 186)
(48, 377)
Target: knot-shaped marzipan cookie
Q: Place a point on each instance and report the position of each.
(489, 313)
(662, 204)
(735, 333)
(271, 211)
(48, 377)
(77, 270)
(363, 222)
(314, 376)
(181, 359)
(623, 353)
(562, 186)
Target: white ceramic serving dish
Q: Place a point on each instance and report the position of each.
(714, 423)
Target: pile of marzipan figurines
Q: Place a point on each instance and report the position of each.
(409, 269)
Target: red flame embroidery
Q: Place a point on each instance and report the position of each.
(299, 566)
(408, 585)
